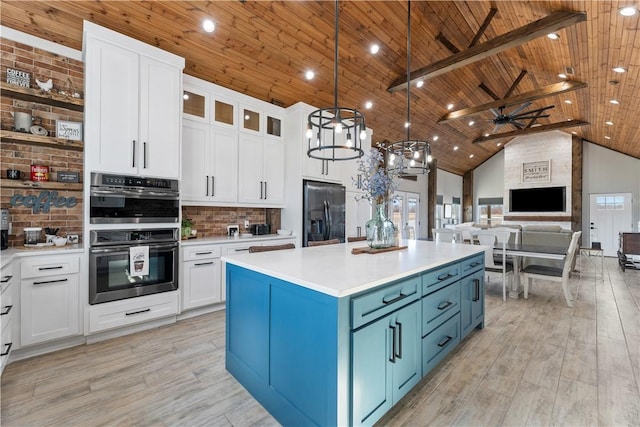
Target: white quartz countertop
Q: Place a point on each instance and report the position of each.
(226, 240)
(335, 271)
(7, 255)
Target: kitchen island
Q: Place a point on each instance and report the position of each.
(320, 336)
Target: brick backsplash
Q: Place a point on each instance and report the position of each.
(68, 75)
(213, 221)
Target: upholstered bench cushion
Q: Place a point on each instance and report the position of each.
(543, 269)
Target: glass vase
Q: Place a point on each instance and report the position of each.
(380, 231)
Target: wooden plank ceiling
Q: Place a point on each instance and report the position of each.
(263, 49)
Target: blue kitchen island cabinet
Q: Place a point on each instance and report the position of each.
(323, 337)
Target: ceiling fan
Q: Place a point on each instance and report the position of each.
(500, 118)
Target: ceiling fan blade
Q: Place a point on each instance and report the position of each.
(530, 117)
(495, 112)
(520, 108)
(496, 127)
(519, 125)
(537, 110)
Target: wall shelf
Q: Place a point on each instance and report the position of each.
(46, 141)
(36, 95)
(41, 185)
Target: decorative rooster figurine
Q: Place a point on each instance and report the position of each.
(45, 86)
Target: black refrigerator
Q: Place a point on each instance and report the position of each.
(323, 211)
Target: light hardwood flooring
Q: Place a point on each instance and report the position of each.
(537, 362)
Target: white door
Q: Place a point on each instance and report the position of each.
(222, 174)
(250, 169)
(194, 161)
(274, 172)
(609, 214)
(358, 212)
(405, 214)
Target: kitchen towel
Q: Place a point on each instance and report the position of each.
(139, 260)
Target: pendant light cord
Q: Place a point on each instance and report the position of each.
(335, 60)
(408, 70)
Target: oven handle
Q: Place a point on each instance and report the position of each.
(125, 248)
(137, 194)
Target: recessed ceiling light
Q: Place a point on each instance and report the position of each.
(486, 135)
(208, 25)
(562, 75)
(568, 101)
(420, 83)
(435, 138)
(471, 156)
(553, 36)
(309, 75)
(574, 132)
(368, 105)
(609, 122)
(450, 107)
(607, 137)
(471, 123)
(374, 49)
(614, 101)
(499, 144)
(628, 11)
(619, 69)
(185, 96)
(455, 148)
(407, 124)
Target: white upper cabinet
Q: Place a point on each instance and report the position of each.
(261, 171)
(350, 175)
(132, 107)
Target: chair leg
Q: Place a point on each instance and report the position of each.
(527, 280)
(504, 285)
(567, 292)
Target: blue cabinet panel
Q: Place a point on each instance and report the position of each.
(439, 343)
(471, 303)
(440, 277)
(439, 306)
(472, 264)
(376, 304)
(407, 369)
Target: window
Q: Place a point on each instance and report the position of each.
(490, 211)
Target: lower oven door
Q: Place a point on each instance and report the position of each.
(110, 277)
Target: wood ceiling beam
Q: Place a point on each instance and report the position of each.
(531, 31)
(551, 90)
(531, 130)
(484, 26)
(515, 83)
(488, 91)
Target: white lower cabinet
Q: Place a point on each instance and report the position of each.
(117, 314)
(200, 276)
(8, 310)
(49, 301)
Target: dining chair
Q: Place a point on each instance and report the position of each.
(468, 234)
(446, 235)
(533, 271)
(323, 242)
(489, 239)
(355, 239)
(253, 249)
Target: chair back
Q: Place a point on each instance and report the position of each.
(468, 234)
(513, 235)
(445, 235)
(488, 239)
(323, 242)
(253, 249)
(571, 254)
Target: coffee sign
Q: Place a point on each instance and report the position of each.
(43, 202)
(18, 78)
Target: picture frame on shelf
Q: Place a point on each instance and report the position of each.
(18, 77)
(71, 131)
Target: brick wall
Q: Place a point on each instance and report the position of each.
(67, 75)
(213, 221)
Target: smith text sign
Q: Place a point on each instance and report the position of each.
(536, 171)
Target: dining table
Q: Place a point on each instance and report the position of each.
(518, 251)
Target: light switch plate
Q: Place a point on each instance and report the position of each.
(246, 223)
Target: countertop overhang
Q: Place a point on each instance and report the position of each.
(335, 271)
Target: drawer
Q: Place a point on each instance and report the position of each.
(439, 306)
(472, 264)
(6, 277)
(439, 278)
(6, 345)
(439, 343)
(7, 306)
(239, 249)
(49, 266)
(191, 253)
(131, 311)
(369, 307)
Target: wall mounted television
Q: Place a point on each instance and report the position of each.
(541, 199)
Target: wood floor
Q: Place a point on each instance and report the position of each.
(537, 362)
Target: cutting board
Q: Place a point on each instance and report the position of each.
(368, 250)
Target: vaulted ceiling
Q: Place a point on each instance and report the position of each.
(263, 48)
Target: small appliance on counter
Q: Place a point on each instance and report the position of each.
(4, 228)
(260, 229)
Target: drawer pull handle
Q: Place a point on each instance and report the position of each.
(446, 276)
(445, 341)
(241, 250)
(392, 359)
(6, 279)
(6, 352)
(50, 281)
(473, 264)
(476, 296)
(399, 355)
(444, 305)
(131, 313)
(58, 267)
(7, 310)
(204, 263)
(396, 299)
(204, 253)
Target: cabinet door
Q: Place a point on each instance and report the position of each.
(223, 165)
(407, 367)
(274, 165)
(250, 165)
(160, 119)
(195, 176)
(201, 283)
(49, 308)
(111, 119)
(471, 302)
(358, 212)
(371, 376)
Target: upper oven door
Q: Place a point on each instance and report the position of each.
(120, 206)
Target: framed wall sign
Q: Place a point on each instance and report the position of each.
(18, 78)
(536, 171)
(69, 130)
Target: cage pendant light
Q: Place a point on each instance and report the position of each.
(335, 133)
(411, 156)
